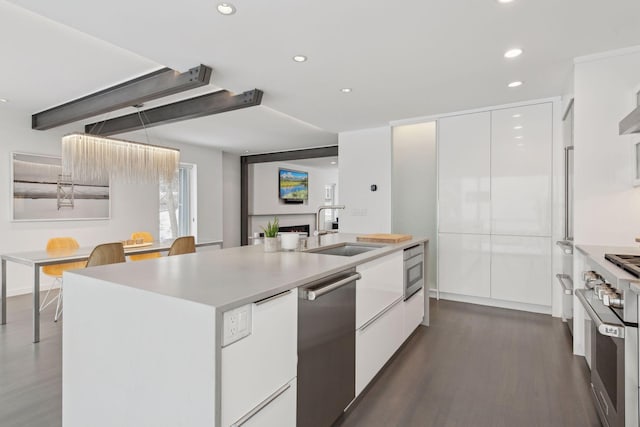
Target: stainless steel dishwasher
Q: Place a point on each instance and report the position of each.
(326, 348)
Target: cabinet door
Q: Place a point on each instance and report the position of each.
(464, 264)
(259, 364)
(381, 284)
(413, 313)
(521, 269)
(464, 169)
(376, 343)
(521, 170)
(279, 412)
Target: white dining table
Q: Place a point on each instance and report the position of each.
(37, 259)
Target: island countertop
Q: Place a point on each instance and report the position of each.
(229, 278)
(596, 254)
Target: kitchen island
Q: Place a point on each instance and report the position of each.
(211, 338)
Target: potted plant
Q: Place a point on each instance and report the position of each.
(271, 236)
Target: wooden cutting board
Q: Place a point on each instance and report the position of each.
(384, 238)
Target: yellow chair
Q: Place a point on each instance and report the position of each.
(59, 246)
(183, 245)
(146, 238)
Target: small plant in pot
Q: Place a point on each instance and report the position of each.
(271, 236)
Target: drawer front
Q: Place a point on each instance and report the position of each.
(381, 284)
(413, 313)
(279, 412)
(254, 367)
(377, 343)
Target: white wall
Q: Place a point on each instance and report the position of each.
(414, 186)
(607, 207)
(365, 159)
(134, 207)
(264, 202)
(231, 197)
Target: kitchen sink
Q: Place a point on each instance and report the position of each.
(345, 249)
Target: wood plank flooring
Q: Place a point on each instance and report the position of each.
(479, 366)
(475, 366)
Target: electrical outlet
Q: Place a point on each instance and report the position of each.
(236, 324)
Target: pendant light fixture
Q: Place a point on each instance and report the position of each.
(89, 158)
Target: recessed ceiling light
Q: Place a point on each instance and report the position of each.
(226, 8)
(515, 116)
(519, 137)
(517, 127)
(334, 163)
(504, 1)
(246, 151)
(4, 100)
(513, 53)
(515, 84)
(345, 90)
(300, 58)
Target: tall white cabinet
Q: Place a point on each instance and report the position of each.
(495, 204)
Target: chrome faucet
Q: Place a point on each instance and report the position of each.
(319, 232)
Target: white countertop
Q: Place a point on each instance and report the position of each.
(233, 277)
(596, 254)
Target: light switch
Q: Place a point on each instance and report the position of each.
(236, 324)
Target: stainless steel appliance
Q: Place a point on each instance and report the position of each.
(413, 270)
(565, 277)
(326, 349)
(612, 332)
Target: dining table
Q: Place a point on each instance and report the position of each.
(38, 259)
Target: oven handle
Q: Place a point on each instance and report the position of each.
(607, 329)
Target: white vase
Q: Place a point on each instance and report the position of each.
(271, 244)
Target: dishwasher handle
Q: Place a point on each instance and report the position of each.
(317, 293)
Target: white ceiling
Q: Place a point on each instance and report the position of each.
(403, 59)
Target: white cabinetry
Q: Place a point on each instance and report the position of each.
(520, 269)
(279, 410)
(379, 287)
(495, 204)
(376, 342)
(464, 167)
(256, 368)
(413, 313)
(464, 264)
(521, 171)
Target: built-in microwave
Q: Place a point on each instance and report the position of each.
(413, 270)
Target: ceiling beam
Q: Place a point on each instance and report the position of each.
(158, 84)
(200, 106)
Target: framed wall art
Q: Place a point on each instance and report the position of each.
(41, 192)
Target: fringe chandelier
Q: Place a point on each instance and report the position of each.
(95, 158)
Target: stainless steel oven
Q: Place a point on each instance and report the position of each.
(613, 347)
(413, 270)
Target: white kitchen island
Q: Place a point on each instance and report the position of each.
(149, 343)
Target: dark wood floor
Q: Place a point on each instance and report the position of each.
(475, 366)
(479, 366)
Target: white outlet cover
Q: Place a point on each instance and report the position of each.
(236, 324)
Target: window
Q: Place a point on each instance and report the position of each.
(177, 204)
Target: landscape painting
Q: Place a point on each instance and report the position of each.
(294, 185)
(41, 192)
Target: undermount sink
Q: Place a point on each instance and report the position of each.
(345, 249)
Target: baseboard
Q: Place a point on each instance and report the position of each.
(490, 302)
(14, 292)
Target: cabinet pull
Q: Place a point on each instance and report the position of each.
(272, 297)
(566, 283)
(379, 315)
(261, 405)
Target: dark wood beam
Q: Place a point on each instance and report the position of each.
(200, 106)
(160, 83)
